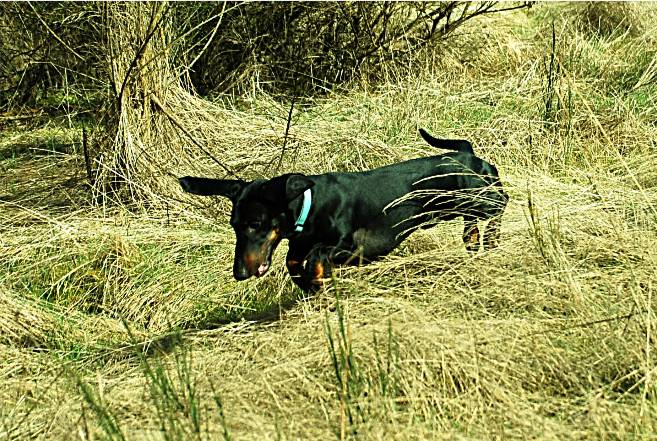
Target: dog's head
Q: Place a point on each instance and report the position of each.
(261, 215)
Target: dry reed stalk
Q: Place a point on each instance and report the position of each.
(147, 142)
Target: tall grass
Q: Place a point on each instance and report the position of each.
(550, 336)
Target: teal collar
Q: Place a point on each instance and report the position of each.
(305, 209)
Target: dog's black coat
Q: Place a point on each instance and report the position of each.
(356, 217)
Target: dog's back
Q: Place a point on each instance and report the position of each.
(449, 182)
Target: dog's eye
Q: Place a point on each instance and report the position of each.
(254, 225)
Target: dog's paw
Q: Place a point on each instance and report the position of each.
(318, 271)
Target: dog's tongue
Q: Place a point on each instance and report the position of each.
(262, 269)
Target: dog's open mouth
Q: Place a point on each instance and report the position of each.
(256, 259)
(264, 266)
(262, 269)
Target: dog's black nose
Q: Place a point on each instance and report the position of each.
(241, 273)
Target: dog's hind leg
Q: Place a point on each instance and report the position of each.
(497, 201)
(471, 235)
(492, 233)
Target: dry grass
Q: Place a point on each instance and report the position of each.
(124, 324)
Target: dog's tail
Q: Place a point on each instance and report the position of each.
(460, 145)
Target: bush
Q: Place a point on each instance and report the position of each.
(293, 48)
(56, 51)
(306, 48)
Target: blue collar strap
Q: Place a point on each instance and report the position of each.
(305, 209)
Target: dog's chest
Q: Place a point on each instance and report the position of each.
(372, 243)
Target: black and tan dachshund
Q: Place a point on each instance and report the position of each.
(340, 218)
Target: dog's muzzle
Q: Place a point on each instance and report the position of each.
(256, 262)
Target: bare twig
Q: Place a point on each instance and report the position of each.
(631, 314)
(152, 28)
(87, 160)
(69, 48)
(287, 131)
(177, 123)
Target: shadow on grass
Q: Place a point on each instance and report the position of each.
(268, 314)
(168, 341)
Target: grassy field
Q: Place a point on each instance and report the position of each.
(124, 323)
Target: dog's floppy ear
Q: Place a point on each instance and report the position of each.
(283, 189)
(296, 184)
(229, 188)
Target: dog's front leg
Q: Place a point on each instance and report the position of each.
(318, 268)
(310, 277)
(345, 252)
(320, 261)
(294, 263)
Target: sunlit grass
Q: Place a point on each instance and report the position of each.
(122, 322)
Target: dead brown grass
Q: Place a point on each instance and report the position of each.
(549, 337)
